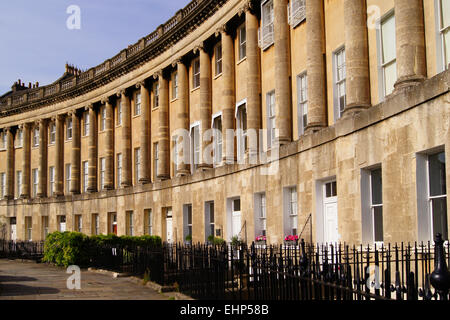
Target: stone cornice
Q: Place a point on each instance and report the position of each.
(146, 49)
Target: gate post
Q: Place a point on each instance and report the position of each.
(440, 278)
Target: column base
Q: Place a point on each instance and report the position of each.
(314, 127)
(144, 181)
(204, 167)
(24, 196)
(352, 109)
(408, 81)
(183, 173)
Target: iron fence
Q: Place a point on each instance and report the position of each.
(284, 272)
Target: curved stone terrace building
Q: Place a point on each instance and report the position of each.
(337, 110)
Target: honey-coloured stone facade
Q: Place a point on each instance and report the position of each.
(117, 140)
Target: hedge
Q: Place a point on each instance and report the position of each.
(73, 248)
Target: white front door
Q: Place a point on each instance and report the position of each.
(169, 226)
(330, 216)
(236, 218)
(13, 232)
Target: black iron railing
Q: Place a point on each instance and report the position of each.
(29, 250)
(285, 272)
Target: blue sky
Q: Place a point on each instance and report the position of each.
(36, 43)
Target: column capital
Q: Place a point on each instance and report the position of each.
(105, 100)
(89, 107)
(140, 84)
(198, 47)
(246, 7)
(157, 74)
(176, 62)
(121, 92)
(221, 30)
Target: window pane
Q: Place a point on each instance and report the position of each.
(439, 207)
(377, 194)
(388, 39)
(436, 169)
(378, 223)
(390, 77)
(447, 47)
(237, 205)
(445, 10)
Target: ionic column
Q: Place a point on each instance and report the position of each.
(145, 163)
(183, 114)
(75, 186)
(92, 150)
(315, 66)
(253, 74)
(410, 37)
(163, 128)
(9, 194)
(356, 56)
(282, 84)
(26, 160)
(126, 140)
(228, 95)
(109, 145)
(205, 102)
(59, 146)
(43, 157)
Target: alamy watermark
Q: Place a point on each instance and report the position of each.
(73, 22)
(74, 280)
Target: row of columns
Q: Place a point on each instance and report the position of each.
(411, 67)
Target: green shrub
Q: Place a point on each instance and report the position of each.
(73, 248)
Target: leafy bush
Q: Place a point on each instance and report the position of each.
(73, 248)
(215, 241)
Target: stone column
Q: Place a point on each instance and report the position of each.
(183, 115)
(357, 57)
(205, 103)
(59, 148)
(126, 140)
(26, 160)
(75, 185)
(253, 75)
(410, 37)
(145, 164)
(163, 128)
(92, 150)
(315, 66)
(9, 194)
(43, 154)
(109, 145)
(228, 95)
(282, 81)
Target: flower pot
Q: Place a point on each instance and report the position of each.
(290, 242)
(260, 243)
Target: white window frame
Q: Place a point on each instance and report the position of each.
(78, 223)
(36, 133)
(130, 223)
(52, 134)
(296, 12)
(384, 64)
(29, 228)
(68, 177)
(119, 169)
(137, 104)
(102, 173)
(35, 177)
(339, 82)
(155, 160)
(242, 139)
(175, 85)
(218, 59)
(2, 184)
(266, 33)
(260, 214)
(156, 95)
(196, 73)
(19, 138)
(442, 55)
(195, 150)
(291, 210)
(51, 179)
(148, 214)
(271, 119)
(69, 128)
(119, 113)
(217, 139)
(187, 215)
(242, 34)
(85, 175)
(95, 224)
(137, 164)
(86, 127)
(103, 118)
(4, 142)
(302, 102)
(19, 183)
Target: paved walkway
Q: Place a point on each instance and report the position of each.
(32, 281)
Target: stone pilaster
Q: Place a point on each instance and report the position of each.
(253, 74)
(205, 103)
(43, 158)
(228, 95)
(410, 38)
(59, 148)
(163, 128)
(145, 164)
(75, 186)
(109, 145)
(357, 57)
(9, 194)
(282, 81)
(126, 140)
(26, 160)
(315, 66)
(92, 150)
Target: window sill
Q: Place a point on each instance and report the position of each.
(136, 116)
(268, 46)
(195, 89)
(155, 108)
(242, 60)
(173, 100)
(67, 140)
(217, 76)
